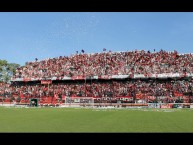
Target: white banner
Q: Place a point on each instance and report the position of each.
(54, 78)
(66, 78)
(139, 76)
(120, 76)
(95, 77)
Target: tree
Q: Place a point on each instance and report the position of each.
(7, 70)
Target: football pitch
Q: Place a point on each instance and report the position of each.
(78, 120)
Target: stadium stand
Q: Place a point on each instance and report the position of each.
(108, 77)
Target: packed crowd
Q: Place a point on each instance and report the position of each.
(108, 63)
(165, 90)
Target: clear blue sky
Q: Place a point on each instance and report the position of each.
(25, 36)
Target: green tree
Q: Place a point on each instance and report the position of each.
(7, 70)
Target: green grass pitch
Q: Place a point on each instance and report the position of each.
(95, 120)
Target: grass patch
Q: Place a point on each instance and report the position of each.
(95, 120)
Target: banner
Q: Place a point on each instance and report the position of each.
(46, 82)
(46, 78)
(165, 106)
(78, 78)
(95, 77)
(139, 76)
(164, 75)
(183, 75)
(54, 78)
(17, 79)
(120, 76)
(105, 77)
(26, 79)
(124, 97)
(174, 75)
(176, 94)
(66, 78)
(35, 79)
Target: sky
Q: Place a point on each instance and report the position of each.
(25, 36)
